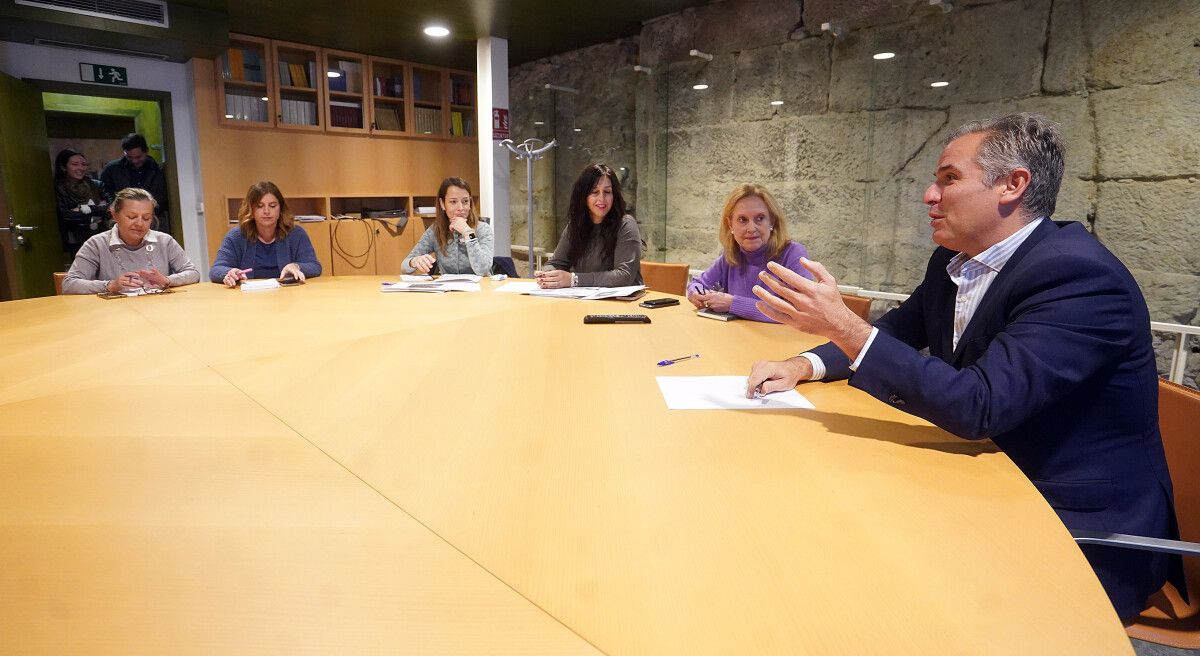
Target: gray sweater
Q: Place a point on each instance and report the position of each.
(104, 257)
(461, 256)
(624, 269)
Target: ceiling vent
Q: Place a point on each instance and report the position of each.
(143, 12)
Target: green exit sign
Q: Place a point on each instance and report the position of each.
(104, 74)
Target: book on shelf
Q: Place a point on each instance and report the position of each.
(298, 75)
(388, 118)
(427, 120)
(460, 91)
(338, 83)
(345, 114)
(390, 86)
(285, 75)
(456, 124)
(252, 63)
(236, 67)
(352, 73)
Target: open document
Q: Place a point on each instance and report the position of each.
(433, 286)
(723, 393)
(588, 293)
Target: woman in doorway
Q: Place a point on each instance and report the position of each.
(752, 232)
(458, 242)
(82, 203)
(130, 258)
(601, 245)
(265, 243)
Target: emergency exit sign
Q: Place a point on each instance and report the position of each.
(102, 74)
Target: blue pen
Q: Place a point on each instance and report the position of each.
(686, 357)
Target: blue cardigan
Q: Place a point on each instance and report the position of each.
(236, 252)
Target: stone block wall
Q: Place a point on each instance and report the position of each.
(853, 146)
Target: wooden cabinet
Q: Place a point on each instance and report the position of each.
(278, 84)
(244, 83)
(299, 89)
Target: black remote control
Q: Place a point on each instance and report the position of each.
(616, 318)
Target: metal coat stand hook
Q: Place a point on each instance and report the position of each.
(529, 150)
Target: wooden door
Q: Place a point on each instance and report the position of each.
(28, 192)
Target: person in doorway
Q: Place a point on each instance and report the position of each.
(601, 245)
(457, 241)
(265, 243)
(752, 232)
(138, 169)
(131, 257)
(81, 200)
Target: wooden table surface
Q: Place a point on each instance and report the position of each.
(331, 469)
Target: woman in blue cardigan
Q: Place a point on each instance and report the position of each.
(265, 243)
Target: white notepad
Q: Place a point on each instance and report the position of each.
(259, 285)
(723, 393)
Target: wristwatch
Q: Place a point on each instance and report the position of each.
(574, 279)
(470, 236)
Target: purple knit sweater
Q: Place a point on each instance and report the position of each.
(741, 279)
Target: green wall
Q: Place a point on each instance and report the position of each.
(147, 119)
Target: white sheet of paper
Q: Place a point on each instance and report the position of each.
(517, 287)
(723, 393)
(434, 287)
(414, 278)
(459, 277)
(260, 285)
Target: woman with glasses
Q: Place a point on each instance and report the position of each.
(752, 232)
(131, 258)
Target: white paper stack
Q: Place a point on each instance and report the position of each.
(259, 285)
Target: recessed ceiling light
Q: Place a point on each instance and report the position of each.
(699, 87)
(939, 84)
(777, 102)
(334, 73)
(437, 31)
(883, 55)
(539, 122)
(579, 129)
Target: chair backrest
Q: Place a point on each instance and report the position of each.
(59, 277)
(858, 305)
(1179, 423)
(1169, 620)
(505, 265)
(666, 277)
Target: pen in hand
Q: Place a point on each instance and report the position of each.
(664, 363)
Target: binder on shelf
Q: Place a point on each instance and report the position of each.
(285, 76)
(456, 124)
(237, 70)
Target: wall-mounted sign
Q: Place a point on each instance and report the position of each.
(499, 123)
(102, 74)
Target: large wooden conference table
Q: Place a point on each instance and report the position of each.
(330, 469)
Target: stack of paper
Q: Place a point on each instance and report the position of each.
(587, 293)
(259, 285)
(436, 287)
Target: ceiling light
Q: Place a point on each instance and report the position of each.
(883, 55)
(776, 102)
(699, 87)
(334, 74)
(939, 84)
(579, 129)
(539, 122)
(437, 31)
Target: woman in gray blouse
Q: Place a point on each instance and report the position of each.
(130, 257)
(601, 245)
(458, 242)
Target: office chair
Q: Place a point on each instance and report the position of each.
(1169, 620)
(505, 265)
(665, 277)
(858, 305)
(59, 277)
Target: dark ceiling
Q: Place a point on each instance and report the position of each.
(392, 28)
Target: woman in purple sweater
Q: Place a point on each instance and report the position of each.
(752, 232)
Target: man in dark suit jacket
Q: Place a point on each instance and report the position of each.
(1038, 339)
(138, 169)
